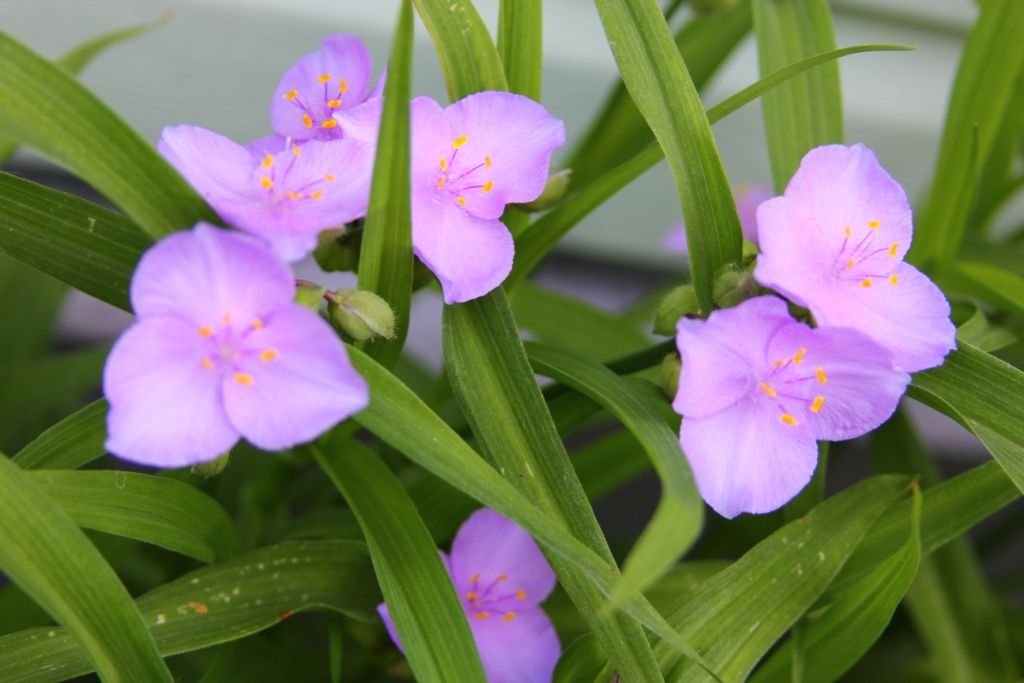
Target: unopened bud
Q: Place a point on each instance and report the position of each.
(554, 190)
(310, 295)
(733, 287)
(211, 468)
(361, 315)
(338, 249)
(679, 302)
(671, 366)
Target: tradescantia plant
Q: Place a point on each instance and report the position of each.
(275, 491)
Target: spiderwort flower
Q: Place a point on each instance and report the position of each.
(748, 198)
(501, 578)
(758, 388)
(219, 350)
(283, 192)
(326, 94)
(835, 242)
(468, 161)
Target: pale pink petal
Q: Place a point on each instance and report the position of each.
(521, 648)
(218, 168)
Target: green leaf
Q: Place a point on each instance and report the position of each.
(79, 243)
(997, 285)
(807, 111)
(657, 79)
(520, 45)
(81, 55)
(32, 302)
(680, 513)
(834, 641)
(544, 233)
(421, 598)
(739, 613)
(74, 441)
(982, 334)
(217, 604)
(495, 386)
(469, 60)
(43, 106)
(989, 70)
(154, 510)
(49, 558)
(385, 258)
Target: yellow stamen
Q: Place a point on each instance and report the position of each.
(874, 225)
(459, 141)
(866, 282)
(778, 363)
(893, 248)
(509, 616)
(822, 377)
(474, 578)
(205, 331)
(502, 577)
(306, 121)
(333, 104)
(244, 379)
(471, 595)
(849, 233)
(329, 123)
(268, 161)
(893, 279)
(788, 419)
(226, 319)
(267, 355)
(296, 150)
(444, 164)
(482, 615)
(461, 201)
(851, 263)
(520, 594)
(487, 162)
(488, 186)
(330, 178)
(798, 357)
(324, 78)
(767, 389)
(207, 363)
(342, 86)
(266, 182)
(317, 194)
(291, 94)
(257, 324)
(293, 195)
(817, 404)
(440, 182)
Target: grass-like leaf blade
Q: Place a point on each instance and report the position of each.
(520, 27)
(469, 60)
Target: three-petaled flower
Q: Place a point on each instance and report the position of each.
(835, 242)
(501, 578)
(758, 388)
(220, 351)
(469, 161)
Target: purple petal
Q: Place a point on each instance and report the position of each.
(431, 141)
(522, 648)
(303, 92)
(909, 318)
(517, 135)
(296, 381)
(675, 240)
(746, 459)
(207, 273)
(165, 407)
(361, 122)
(850, 379)
(748, 198)
(469, 255)
(494, 557)
(268, 144)
(218, 168)
(389, 624)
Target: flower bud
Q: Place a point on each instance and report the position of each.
(361, 315)
(309, 295)
(668, 374)
(554, 190)
(679, 302)
(733, 287)
(211, 468)
(338, 249)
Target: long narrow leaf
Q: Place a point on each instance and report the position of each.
(74, 441)
(469, 60)
(520, 45)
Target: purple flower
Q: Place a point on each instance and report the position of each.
(834, 243)
(283, 192)
(219, 350)
(758, 388)
(326, 95)
(468, 161)
(501, 578)
(748, 198)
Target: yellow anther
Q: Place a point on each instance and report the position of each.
(306, 121)
(482, 615)
(471, 596)
(893, 279)
(440, 182)
(778, 363)
(866, 282)
(874, 225)
(849, 233)
(474, 578)
(817, 404)
(502, 577)
(444, 164)
(459, 141)
(207, 363)
(487, 162)
(257, 324)
(324, 78)
(893, 248)
(788, 419)
(488, 186)
(244, 379)
(329, 123)
(268, 161)
(342, 86)
(266, 182)
(316, 194)
(291, 94)
(330, 178)
(509, 616)
(767, 389)
(461, 201)
(293, 195)
(520, 594)
(267, 355)
(296, 150)
(851, 263)
(205, 331)
(822, 377)
(798, 357)
(226, 319)
(333, 104)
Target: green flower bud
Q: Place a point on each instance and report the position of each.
(733, 287)
(671, 366)
(361, 315)
(554, 190)
(211, 468)
(310, 295)
(338, 249)
(680, 301)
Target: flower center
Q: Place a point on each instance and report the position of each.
(485, 599)
(461, 175)
(231, 351)
(317, 112)
(793, 387)
(273, 178)
(865, 258)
